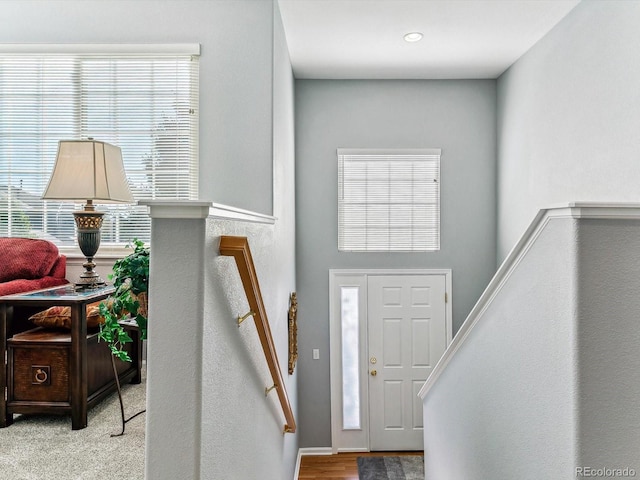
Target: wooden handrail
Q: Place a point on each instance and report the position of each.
(238, 248)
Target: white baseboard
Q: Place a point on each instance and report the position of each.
(309, 451)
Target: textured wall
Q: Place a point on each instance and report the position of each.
(227, 361)
(206, 375)
(547, 381)
(568, 117)
(174, 350)
(235, 73)
(246, 160)
(456, 116)
(237, 418)
(608, 326)
(506, 400)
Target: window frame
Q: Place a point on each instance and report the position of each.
(158, 51)
(370, 202)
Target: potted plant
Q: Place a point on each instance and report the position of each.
(131, 280)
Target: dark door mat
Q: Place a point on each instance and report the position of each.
(405, 467)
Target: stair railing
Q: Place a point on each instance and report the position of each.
(238, 248)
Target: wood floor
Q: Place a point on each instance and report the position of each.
(342, 466)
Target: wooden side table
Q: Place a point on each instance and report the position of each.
(80, 362)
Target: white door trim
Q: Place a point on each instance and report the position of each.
(358, 440)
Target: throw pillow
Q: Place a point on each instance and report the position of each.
(60, 317)
(26, 258)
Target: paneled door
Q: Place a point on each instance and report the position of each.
(407, 335)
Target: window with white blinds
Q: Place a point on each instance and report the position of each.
(146, 103)
(388, 200)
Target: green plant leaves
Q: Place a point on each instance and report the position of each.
(130, 279)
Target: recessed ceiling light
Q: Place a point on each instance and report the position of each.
(413, 37)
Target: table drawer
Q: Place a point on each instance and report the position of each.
(39, 373)
(39, 366)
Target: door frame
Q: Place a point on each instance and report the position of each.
(357, 440)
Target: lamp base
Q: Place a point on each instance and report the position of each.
(88, 223)
(89, 278)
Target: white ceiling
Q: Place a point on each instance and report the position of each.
(462, 38)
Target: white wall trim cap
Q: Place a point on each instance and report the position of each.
(601, 210)
(575, 210)
(177, 208)
(202, 209)
(226, 212)
(100, 49)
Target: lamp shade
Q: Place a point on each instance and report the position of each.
(88, 170)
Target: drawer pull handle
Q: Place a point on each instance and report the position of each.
(40, 376)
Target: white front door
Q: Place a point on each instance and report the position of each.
(397, 324)
(406, 337)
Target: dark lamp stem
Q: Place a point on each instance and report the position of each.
(89, 206)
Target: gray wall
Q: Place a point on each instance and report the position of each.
(236, 417)
(607, 341)
(569, 116)
(235, 73)
(549, 369)
(547, 380)
(247, 161)
(456, 116)
(174, 415)
(510, 387)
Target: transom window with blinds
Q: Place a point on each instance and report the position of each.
(388, 200)
(143, 99)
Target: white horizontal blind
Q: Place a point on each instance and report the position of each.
(147, 104)
(388, 201)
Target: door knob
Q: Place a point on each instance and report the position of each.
(374, 373)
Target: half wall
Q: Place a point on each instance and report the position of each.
(543, 378)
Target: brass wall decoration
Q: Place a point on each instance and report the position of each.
(293, 331)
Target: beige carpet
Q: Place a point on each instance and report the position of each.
(43, 447)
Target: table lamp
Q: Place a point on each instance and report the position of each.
(88, 170)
